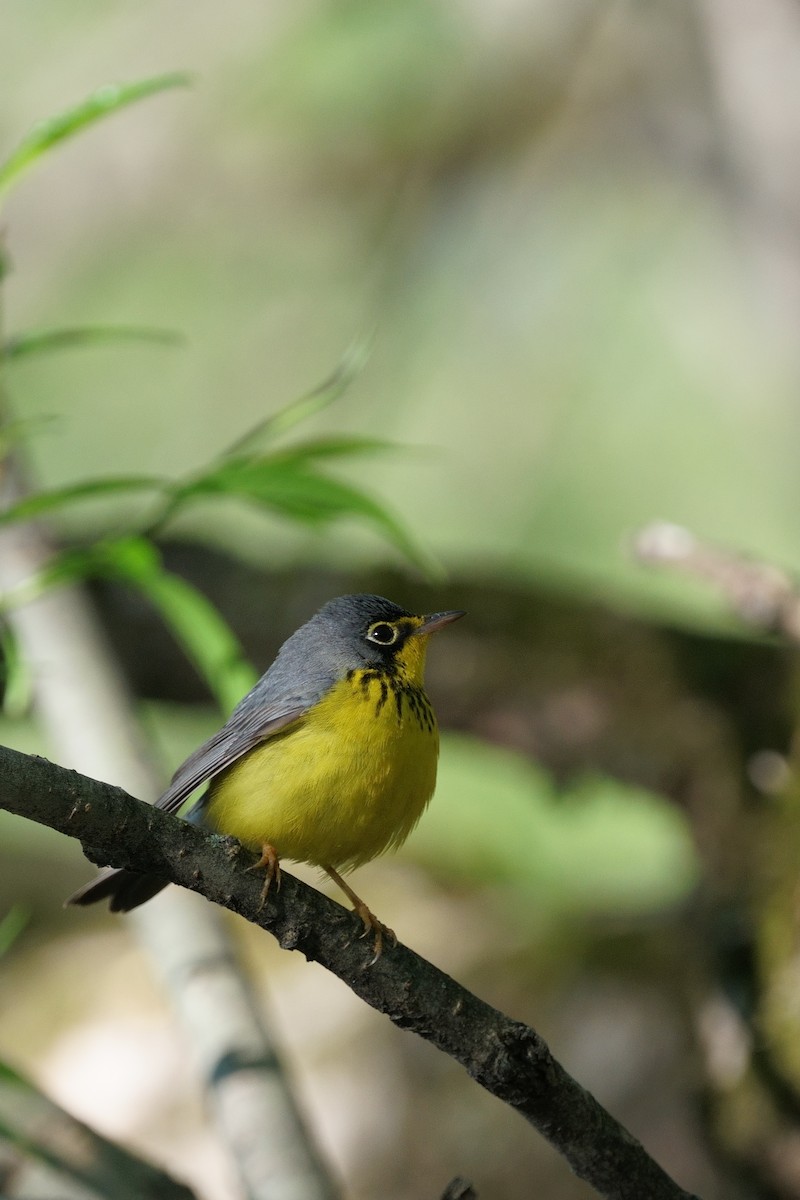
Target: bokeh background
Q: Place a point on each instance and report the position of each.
(571, 229)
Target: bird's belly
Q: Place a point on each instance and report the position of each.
(348, 781)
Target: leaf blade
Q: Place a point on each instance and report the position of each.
(99, 104)
(205, 636)
(309, 496)
(48, 340)
(349, 367)
(55, 498)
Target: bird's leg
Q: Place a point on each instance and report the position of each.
(369, 920)
(272, 870)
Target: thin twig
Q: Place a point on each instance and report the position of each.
(758, 592)
(506, 1057)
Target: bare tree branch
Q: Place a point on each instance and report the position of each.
(758, 592)
(506, 1057)
(39, 1128)
(84, 706)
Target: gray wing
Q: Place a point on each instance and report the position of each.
(305, 667)
(247, 727)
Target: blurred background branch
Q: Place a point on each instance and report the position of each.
(42, 1132)
(88, 717)
(506, 1057)
(573, 228)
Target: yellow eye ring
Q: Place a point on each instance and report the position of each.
(382, 633)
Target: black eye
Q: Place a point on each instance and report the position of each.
(382, 633)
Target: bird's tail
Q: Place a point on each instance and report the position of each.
(123, 889)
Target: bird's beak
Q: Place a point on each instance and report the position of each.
(438, 620)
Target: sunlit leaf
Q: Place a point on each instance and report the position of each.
(101, 103)
(133, 558)
(321, 397)
(305, 495)
(47, 340)
(68, 566)
(330, 447)
(57, 498)
(17, 677)
(206, 638)
(113, 557)
(11, 927)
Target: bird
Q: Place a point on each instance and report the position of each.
(329, 760)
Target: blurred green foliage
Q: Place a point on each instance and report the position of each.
(565, 312)
(524, 480)
(597, 847)
(527, 204)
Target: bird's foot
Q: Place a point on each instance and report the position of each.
(373, 925)
(368, 919)
(270, 863)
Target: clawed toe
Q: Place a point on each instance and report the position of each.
(270, 863)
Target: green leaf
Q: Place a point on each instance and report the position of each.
(321, 397)
(602, 846)
(66, 567)
(205, 636)
(11, 927)
(9, 1075)
(101, 103)
(129, 558)
(133, 558)
(330, 447)
(56, 498)
(307, 496)
(17, 677)
(47, 340)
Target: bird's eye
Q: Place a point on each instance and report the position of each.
(382, 633)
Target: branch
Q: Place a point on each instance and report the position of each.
(37, 1127)
(760, 593)
(506, 1057)
(88, 716)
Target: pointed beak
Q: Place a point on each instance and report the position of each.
(438, 620)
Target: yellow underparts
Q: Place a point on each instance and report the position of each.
(347, 781)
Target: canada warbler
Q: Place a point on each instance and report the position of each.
(329, 760)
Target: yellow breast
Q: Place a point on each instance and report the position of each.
(347, 781)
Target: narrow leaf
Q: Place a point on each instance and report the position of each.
(205, 636)
(11, 927)
(56, 498)
(307, 496)
(101, 103)
(9, 1076)
(17, 676)
(321, 397)
(47, 340)
(331, 447)
(69, 566)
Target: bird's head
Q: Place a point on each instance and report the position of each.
(373, 633)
